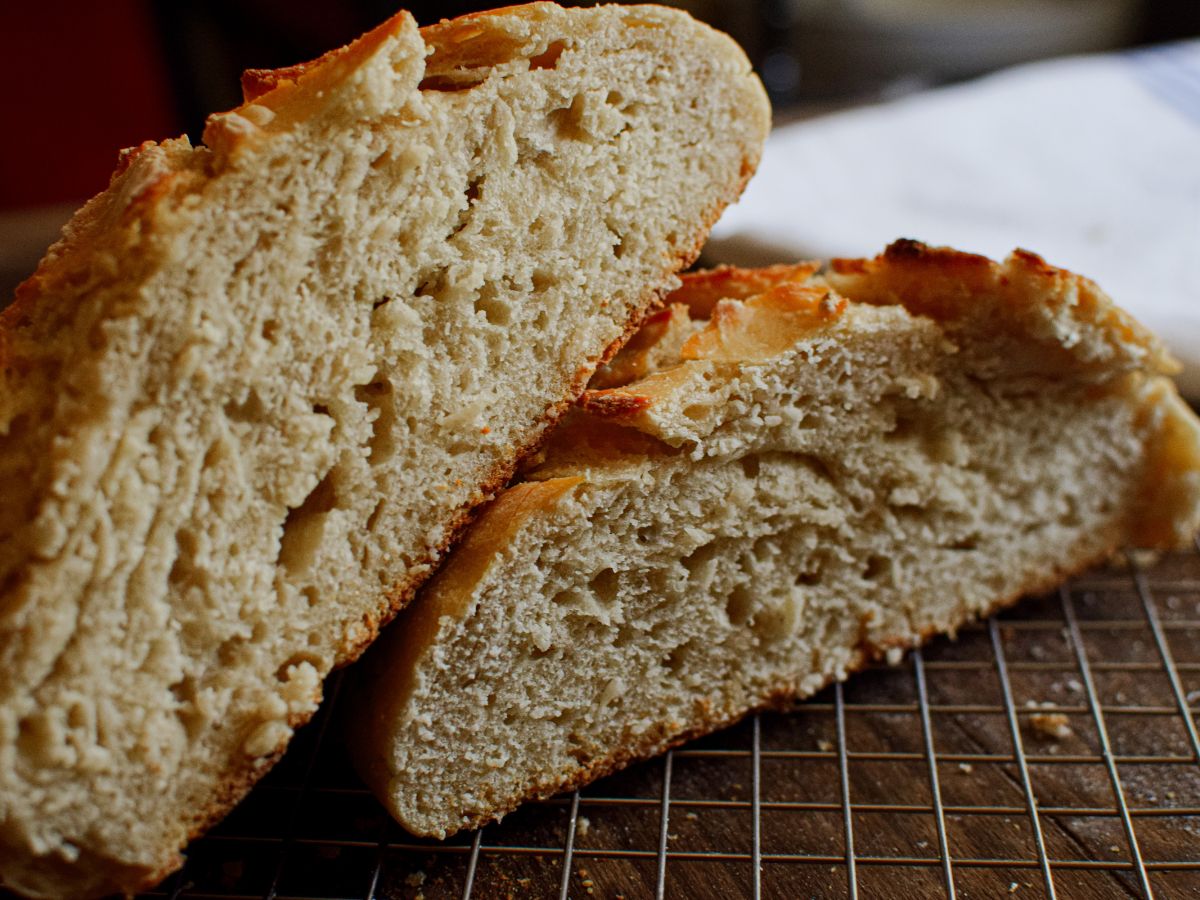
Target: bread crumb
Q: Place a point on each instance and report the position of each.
(1012, 887)
(415, 879)
(894, 656)
(690, 815)
(1054, 726)
(824, 746)
(1051, 726)
(582, 826)
(966, 767)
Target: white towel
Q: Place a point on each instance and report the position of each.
(1093, 162)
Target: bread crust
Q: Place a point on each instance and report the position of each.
(1036, 299)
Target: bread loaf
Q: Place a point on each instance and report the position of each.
(771, 490)
(255, 391)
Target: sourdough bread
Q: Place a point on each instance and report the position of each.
(799, 479)
(255, 391)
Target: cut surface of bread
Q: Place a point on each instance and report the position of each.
(820, 469)
(258, 387)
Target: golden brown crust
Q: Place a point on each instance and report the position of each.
(1167, 505)
(276, 99)
(765, 325)
(1032, 299)
(613, 403)
(632, 361)
(257, 83)
(477, 39)
(701, 290)
(1059, 323)
(144, 177)
(738, 331)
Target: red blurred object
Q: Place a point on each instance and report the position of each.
(82, 80)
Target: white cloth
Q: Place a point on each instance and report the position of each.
(1092, 162)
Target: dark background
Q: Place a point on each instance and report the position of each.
(84, 79)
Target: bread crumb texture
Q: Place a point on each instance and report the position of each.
(255, 390)
(785, 475)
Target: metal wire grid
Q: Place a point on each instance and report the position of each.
(1051, 751)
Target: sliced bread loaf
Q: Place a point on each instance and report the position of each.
(258, 387)
(800, 479)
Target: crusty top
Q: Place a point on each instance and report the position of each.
(1017, 320)
(1023, 297)
(754, 314)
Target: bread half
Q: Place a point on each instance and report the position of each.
(255, 391)
(773, 490)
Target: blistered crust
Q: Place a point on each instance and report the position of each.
(1022, 297)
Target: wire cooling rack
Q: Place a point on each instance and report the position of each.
(1049, 752)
